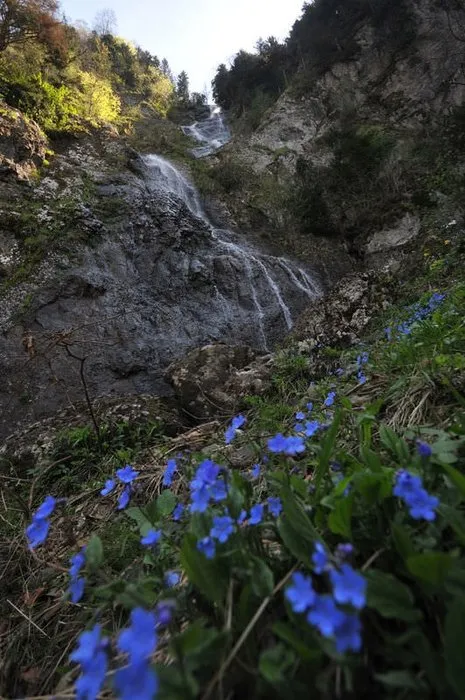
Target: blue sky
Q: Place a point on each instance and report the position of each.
(194, 35)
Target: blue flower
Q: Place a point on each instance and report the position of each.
(90, 655)
(37, 532)
(344, 550)
(299, 428)
(275, 506)
(124, 498)
(172, 578)
(388, 332)
(152, 538)
(348, 634)
(45, 509)
(207, 547)
(422, 506)
(300, 595)
(242, 517)
(177, 512)
(349, 587)
(77, 563)
(206, 475)
(423, 449)
(300, 416)
(325, 616)
(108, 488)
(311, 428)
(319, 558)
(310, 406)
(223, 527)
(295, 445)
(406, 485)
(138, 681)
(171, 467)
(200, 500)
(218, 491)
(256, 514)
(339, 372)
(140, 639)
(255, 471)
(361, 378)
(329, 400)
(76, 589)
(277, 443)
(127, 474)
(236, 423)
(164, 612)
(362, 359)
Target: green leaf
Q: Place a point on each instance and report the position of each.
(374, 487)
(454, 519)
(457, 478)
(327, 445)
(292, 540)
(94, 553)
(288, 634)
(402, 541)
(166, 503)
(196, 638)
(274, 662)
(203, 573)
(391, 598)
(297, 516)
(262, 578)
(454, 642)
(394, 444)
(431, 567)
(400, 679)
(339, 520)
(371, 459)
(140, 518)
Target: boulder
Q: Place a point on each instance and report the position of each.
(22, 144)
(211, 380)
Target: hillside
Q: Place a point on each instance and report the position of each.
(232, 419)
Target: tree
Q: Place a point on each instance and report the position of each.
(21, 20)
(182, 87)
(166, 70)
(105, 22)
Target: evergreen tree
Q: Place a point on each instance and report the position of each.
(182, 87)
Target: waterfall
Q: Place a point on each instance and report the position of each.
(254, 295)
(212, 133)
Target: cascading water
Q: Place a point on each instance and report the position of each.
(213, 133)
(249, 296)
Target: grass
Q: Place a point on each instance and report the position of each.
(415, 383)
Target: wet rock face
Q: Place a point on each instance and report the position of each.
(136, 278)
(22, 144)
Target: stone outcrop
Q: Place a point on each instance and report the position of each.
(212, 380)
(23, 146)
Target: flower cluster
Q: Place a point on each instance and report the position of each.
(291, 446)
(37, 531)
(410, 489)
(417, 313)
(77, 583)
(91, 655)
(126, 475)
(207, 485)
(139, 641)
(322, 611)
(362, 360)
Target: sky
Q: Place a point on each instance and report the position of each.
(194, 35)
